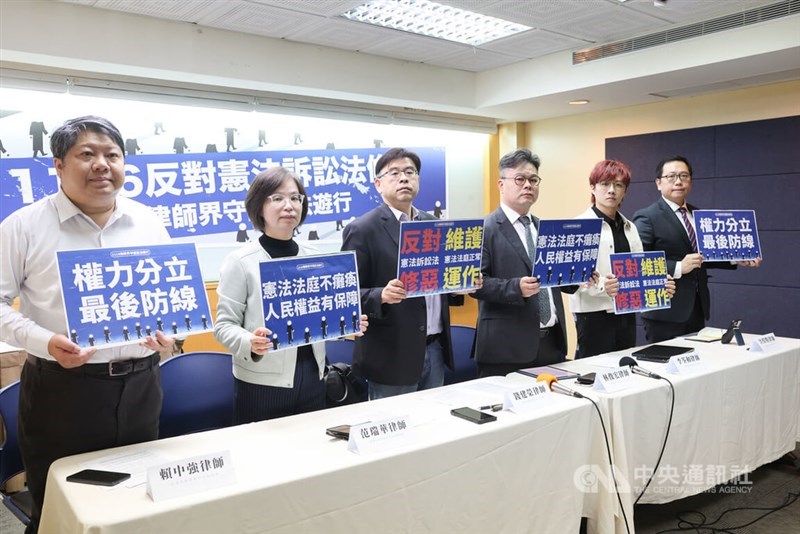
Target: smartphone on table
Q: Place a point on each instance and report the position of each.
(473, 415)
(97, 477)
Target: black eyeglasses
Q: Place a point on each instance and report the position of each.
(672, 177)
(520, 179)
(410, 172)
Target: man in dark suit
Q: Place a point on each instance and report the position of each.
(408, 342)
(519, 324)
(668, 225)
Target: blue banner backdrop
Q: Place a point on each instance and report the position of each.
(727, 235)
(439, 256)
(201, 194)
(310, 298)
(118, 296)
(566, 251)
(642, 281)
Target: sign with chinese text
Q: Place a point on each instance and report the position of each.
(203, 193)
(119, 296)
(642, 281)
(378, 436)
(310, 298)
(727, 235)
(439, 256)
(527, 397)
(190, 475)
(612, 380)
(684, 364)
(566, 251)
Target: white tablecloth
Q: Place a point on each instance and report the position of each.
(513, 475)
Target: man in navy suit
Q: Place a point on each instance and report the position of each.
(668, 225)
(519, 323)
(408, 342)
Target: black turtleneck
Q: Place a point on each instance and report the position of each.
(278, 248)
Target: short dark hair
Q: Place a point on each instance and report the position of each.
(397, 153)
(660, 166)
(265, 184)
(66, 135)
(519, 157)
(607, 171)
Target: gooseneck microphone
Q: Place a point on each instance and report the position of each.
(627, 361)
(555, 387)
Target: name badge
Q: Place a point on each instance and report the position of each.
(190, 475)
(764, 343)
(377, 436)
(685, 364)
(526, 398)
(612, 380)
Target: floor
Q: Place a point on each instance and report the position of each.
(771, 506)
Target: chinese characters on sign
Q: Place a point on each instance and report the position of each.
(190, 475)
(727, 235)
(439, 256)
(203, 194)
(566, 251)
(310, 298)
(119, 296)
(642, 281)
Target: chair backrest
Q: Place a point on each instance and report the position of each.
(465, 367)
(10, 456)
(340, 350)
(198, 393)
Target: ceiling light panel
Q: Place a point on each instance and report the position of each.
(434, 20)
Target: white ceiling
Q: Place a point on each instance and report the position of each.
(303, 47)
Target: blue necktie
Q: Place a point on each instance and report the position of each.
(544, 294)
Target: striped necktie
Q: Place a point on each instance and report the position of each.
(544, 294)
(689, 228)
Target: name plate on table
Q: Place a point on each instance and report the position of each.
(685, 364)
(612, 380)
(377, 436)
(764, 343)
(190, 475)
(526, 398)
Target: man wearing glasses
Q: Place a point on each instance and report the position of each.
(519, 324)
(408, 342)
(668, 225)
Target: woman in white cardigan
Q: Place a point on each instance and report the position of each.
(268, 383)
(599, 329)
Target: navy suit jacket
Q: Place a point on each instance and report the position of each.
(508, 323)
(393, 349)
(660, 229)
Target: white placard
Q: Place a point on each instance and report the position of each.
(376, 436)
(190, 475)
(685, 364)
(612, 380)
(527, 397)
(764, 343)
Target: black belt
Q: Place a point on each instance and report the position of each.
(544, 332)
(116, 368)
(431, 338)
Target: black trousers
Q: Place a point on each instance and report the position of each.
(71, 411)
(656, 331)
(548, 353)
(602, 332)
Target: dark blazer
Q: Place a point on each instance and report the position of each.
(660, 229)
(393, 349)
(508, 323)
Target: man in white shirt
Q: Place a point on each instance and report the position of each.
(74, 399)
(668, 225)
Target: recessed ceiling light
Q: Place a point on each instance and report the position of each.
(434, 20)
(578, 102)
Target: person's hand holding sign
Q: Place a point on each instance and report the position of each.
(260, 341)
(393, 293)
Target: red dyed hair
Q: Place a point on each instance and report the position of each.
(609, 170)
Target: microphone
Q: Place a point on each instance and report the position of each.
(635, 369)
(555, 387)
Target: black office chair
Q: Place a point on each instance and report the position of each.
(198, 393)
(465, 367)
(20, 502)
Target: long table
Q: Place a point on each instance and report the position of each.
(512, 475)
(742, 411)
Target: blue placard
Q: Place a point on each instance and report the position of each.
(311, 298)
(203, 194)
(729, 235)
(439, 256)
(642, 281)
(119, 296)
(566, 251)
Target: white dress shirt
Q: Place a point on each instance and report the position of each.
(674, 207)
(513, 216)
(29, 239)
